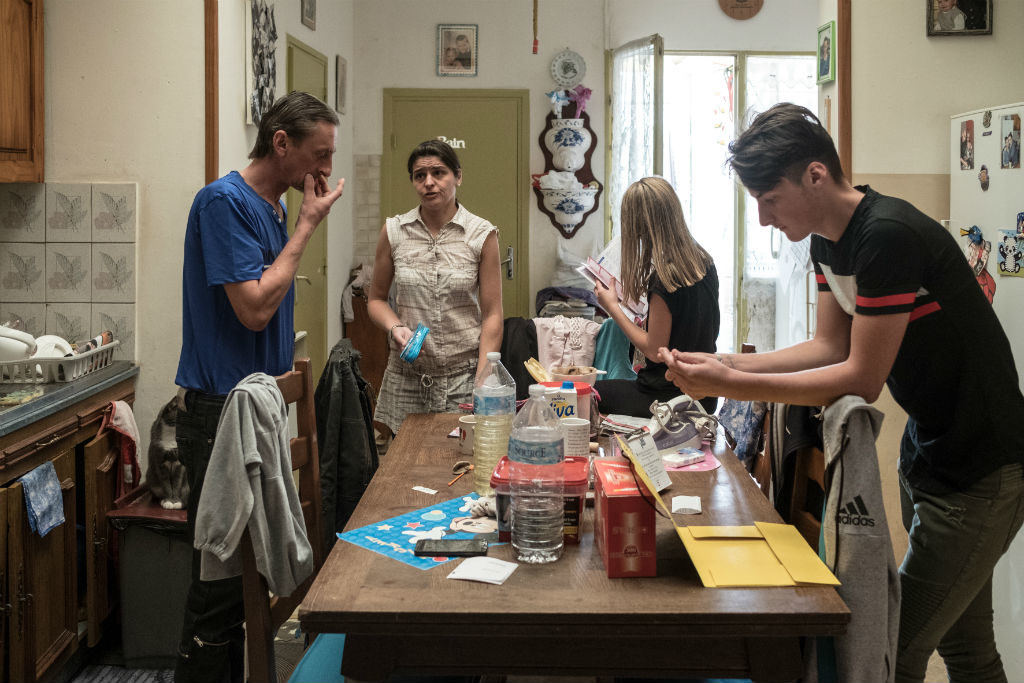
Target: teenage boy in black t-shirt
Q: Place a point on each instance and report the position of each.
(897, 304)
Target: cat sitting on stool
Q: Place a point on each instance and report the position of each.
(165, 473)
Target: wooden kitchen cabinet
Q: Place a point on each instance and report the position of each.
(40, 599)
(42, 582)
(22, 119)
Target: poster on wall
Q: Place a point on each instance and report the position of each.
(260, 62)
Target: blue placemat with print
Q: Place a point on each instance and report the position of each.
(396, 537)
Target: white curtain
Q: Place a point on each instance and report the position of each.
(635, 118)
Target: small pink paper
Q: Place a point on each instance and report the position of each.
(706, 465)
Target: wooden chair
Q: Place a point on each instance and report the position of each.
(264, 613)
(808, 477)
(762, 469)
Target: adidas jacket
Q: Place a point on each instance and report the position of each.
(857, 546)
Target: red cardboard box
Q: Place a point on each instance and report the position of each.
(624, 521)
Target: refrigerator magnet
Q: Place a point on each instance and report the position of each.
(1011, 253)
(983, 177)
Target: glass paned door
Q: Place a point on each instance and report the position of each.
(699, 123)
(774, 291)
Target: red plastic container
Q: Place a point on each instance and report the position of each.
(576, 470)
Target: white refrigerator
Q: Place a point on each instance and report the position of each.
(987, 190)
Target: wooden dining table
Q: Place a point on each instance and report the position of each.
(566, 618)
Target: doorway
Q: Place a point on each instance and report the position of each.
(307, 72)
(488, 131)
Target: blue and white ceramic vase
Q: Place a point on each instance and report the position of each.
(568, 142)
(569, 206)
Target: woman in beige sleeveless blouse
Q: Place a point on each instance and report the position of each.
(443, 263)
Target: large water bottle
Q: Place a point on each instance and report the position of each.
(536, 450)
(494, 404)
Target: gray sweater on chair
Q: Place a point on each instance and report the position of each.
(249, 484)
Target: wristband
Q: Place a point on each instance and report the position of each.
(391, 331)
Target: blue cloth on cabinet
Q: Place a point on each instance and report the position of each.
(43, 499)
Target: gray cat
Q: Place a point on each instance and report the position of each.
(165, 473)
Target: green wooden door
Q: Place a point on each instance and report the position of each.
(488, 130)
(307, 72)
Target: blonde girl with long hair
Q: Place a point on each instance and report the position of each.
(662, 261)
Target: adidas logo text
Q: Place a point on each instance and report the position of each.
(855, 513)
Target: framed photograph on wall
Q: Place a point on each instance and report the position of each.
(309, 13)
(827, 52)
(958, 17)
(457, 49)
(340, 82)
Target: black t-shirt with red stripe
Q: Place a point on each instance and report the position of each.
(954, 373)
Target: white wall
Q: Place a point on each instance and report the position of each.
(124, 102)
(125, 90)
(905, 94)
(780, 26)
(396, 42)
(333, 36)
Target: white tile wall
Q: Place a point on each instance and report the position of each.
(368, 221)
(67, 259)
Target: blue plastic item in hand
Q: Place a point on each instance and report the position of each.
(411, 350)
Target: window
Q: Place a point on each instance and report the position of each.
(704, 97)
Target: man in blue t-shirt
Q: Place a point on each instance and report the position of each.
(237, 319)
(897, 305)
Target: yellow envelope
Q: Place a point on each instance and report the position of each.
(732, 556)
(761, 555)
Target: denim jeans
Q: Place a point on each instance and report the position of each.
(212, 643)
(946, 577)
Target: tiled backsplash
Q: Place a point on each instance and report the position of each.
(368, 220)
(67, 259)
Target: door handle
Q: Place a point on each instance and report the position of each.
(509, 263)
(304, 279)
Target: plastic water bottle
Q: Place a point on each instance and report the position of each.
(536, 450)
(494, 404)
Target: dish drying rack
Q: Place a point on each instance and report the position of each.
(45, 370)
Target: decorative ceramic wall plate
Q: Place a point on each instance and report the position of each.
(741, 9)
(568, 69)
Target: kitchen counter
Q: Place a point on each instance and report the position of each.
(59, 395)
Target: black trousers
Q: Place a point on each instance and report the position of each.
(212, 647)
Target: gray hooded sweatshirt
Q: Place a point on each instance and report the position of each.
(857, 546)
(249, 484)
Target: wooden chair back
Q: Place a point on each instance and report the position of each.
(808, 474)
(762, 469)
(264, 613)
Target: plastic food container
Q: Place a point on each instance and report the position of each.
(583, 397)
(576, 472)
(575, 373)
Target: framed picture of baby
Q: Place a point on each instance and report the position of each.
(456, 49)
(958, 17)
